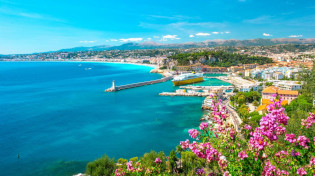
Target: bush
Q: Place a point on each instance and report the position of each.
(101, 166)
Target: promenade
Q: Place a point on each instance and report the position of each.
(235, 118)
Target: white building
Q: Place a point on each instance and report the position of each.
(289, 85)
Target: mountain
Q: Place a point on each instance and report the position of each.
(207, 43)
(82, 48)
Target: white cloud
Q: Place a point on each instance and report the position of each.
(170, 37)
(295, 36)
(156, 37)
(149, 38)
(131, 40)
(227, 32)
(88, 41)
(202, 34)
(267, 35)
(215, 32)
(106, 40)
(191, 36)
(113, 40)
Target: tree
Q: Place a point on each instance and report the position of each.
(244, 111)
(241, 100)
(268, 83)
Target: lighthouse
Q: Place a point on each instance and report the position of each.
(113, 86)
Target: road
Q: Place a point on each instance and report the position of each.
(234, 116)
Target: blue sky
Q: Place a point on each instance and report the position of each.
(28, 26)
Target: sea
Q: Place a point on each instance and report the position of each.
(55, 116)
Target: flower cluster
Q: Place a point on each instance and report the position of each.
(308, 122)
(193, 133)
(270, 169)
(302, 140)
(242, 155)
(270, 127)
(200, 172)
(219, 140)
(282, 154)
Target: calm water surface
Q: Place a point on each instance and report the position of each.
(56, 115)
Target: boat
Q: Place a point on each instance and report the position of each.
(188, 78)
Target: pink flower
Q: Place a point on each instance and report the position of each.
(203, 125)
(200, 171)
(308, 122)
(248, 127)
(301, 171)
(226, 173)
(242, 155)
(129, 166)
(312, 161)
(157, 160)
(282, 154)
(193, 133)
(290, 138)
(302, 141)
(184, 144)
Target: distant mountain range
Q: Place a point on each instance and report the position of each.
(207, 43)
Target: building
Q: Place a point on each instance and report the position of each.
(235, 69)
(289, 95)
(247, 73)
(262, 109)
(278, 76)
(249, 66)
(289, 85)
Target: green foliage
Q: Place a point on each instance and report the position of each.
(163, 67)
(268, 83)
(134, 159)
(190, 162)
(101, 166)
(122, 161)
(308, 77)
(172, 161)
(244, 111)
(255, 103)
(254, 119)
(148, 159)
(219, 58)
(241, 99)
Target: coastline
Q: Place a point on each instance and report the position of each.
(84, 61)
(154, 68)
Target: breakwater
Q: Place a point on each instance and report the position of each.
(115, 88)
(187, 94)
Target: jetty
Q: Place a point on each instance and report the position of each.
(115, 88)
(206, 87)
(186, 94)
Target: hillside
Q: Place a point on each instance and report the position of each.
(207, 43)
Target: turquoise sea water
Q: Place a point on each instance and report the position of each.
(56, 115)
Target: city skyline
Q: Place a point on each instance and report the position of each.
(51, 25)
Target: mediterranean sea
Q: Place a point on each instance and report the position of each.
(55, 116)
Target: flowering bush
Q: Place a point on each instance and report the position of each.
(265, 150)
(219, 149)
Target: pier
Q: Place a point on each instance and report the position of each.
(115, 88)
(206, 87)
(185, 94)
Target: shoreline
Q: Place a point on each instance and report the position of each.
(85, 61)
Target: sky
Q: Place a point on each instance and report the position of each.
(28, 26)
